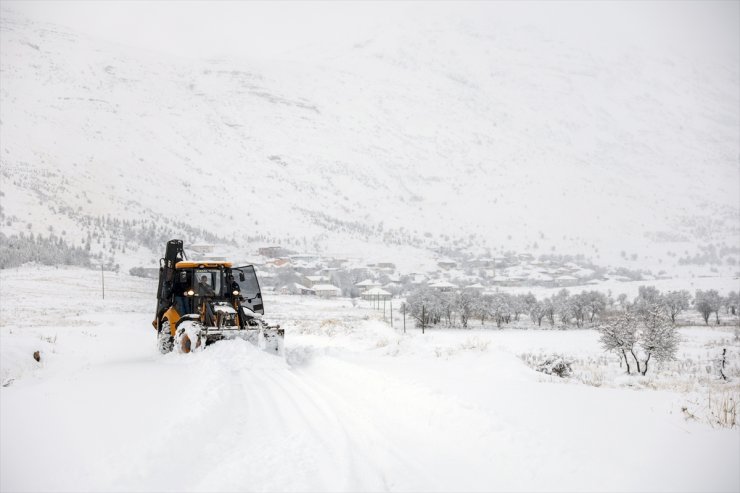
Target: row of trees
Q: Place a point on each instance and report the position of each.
(431, 307)
(638, 331)
(16, 250)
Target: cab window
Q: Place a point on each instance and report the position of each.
(207, 282)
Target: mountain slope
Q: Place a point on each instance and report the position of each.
(445, 134)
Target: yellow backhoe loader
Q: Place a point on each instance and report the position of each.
(202, 302)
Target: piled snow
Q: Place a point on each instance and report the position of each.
(355, 406)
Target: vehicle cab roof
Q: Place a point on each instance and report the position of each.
(186, 264)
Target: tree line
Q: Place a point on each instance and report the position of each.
(430, 307)
(638, 331)
(19, 249)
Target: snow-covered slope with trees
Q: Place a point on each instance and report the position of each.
(441, 133)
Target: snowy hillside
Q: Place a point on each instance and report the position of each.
(442, 133)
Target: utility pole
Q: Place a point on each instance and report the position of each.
(102, 277)
(391, 302)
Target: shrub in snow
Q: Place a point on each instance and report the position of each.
(723, 411)
(475, 343)
(555, 365)
(719, 410)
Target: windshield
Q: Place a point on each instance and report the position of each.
(207, 282)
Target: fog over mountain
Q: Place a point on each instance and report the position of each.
(478, 127)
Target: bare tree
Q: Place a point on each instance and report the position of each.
(447, 307)
(622, 300)
(708, 302)
(464, 303)
(562, 306)
(549, 309)
(537, 312)
(500, 308)
(578, 305)
(732, 302)
(422, 305)
(645, 336)
(676, 302)
(658, 338)
(619, 335)
(647, 297)
(482, 307)
(596, 303)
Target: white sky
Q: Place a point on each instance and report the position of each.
(268, 30)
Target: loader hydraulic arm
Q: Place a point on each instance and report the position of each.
(174, 253)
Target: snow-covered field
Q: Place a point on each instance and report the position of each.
(355, 406)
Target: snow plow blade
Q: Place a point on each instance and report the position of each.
(267, 338)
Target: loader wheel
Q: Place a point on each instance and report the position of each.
(188, 337)
(165, 341)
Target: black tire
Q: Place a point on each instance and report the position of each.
(165, 341)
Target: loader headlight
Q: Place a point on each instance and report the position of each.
(190, 292)
(235, 292)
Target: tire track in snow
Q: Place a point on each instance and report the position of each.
(275, 426)
(372, 428)
(357, 472)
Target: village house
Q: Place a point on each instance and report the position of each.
(326, 290)
(376, 294)
(476, 287)
(272, 251)
(443, 286)
(367, 284)
(312, 281)
(295, 288)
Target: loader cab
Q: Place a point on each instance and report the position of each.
(195, 282)
(216, 281)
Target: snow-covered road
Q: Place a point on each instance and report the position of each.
(355, 406)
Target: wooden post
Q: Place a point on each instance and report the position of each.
(102, 276)
(423, 319)
(404, 318)
(391, 302)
